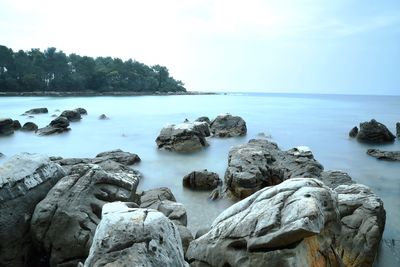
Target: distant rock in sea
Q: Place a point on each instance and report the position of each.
(37, 111)
(374, 132)
(227, 125)
(384, 155)
(6, 126)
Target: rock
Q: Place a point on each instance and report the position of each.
(81, 111)
(60, 122)
(333, 179)
(203, 128)
(119, 156)
(384, 155)
(1, 155)
(290, 224)
(202, 180)
(25, 179)
(6, 126)
(260, 163)
(29, 127)
(184, 137)
(103, 117)
(135, 237)
(353, 132)
(37, 111)
(16, 125)
(58, 125)
(71, 115)
(228, 126)
(64, 223)
(374, 132)
(398, 129)
(203, 119)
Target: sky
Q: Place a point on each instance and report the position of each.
(297, 46)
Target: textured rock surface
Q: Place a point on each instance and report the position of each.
(202, 180)
(25, 179)
(6, 126)
(184, 137)
(291, 224)
(29, 127)
(374, 132)
(228, 126)
(37, 111)
(64, 222)
(135, 237)
(260, 163)
(71, 115)
(384, 155)
(353, 132)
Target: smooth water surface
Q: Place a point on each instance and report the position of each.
(321, 122)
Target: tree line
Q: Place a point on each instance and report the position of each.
(53, 70)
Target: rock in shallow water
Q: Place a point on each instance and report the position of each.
(6, 126)
(384, 155)
(353, 132)
(228, 126)
(201, 180)
(374, 132)
(71, 115)
(37, 111)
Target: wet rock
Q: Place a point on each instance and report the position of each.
(71, 115)
(204, 119)
(56, 126)
(25, 179)
(29, 127)
(384, 155)
(290, 224)
(81, 111)
(353, 132)
(184, 137)
(119, 156)
(201, 180)
(260, 163)
(16, 125)
(228, 126)
(37, 111)
(398, 129)
(103, 117)
(135, 237)
(374, 132)
(64, 223)
(6, 126)
(60, 122)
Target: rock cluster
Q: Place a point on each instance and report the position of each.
(373, 132)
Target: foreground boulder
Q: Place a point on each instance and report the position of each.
(25, 179)
(71, 115)
(228, 126)
(291, 224)
(184, 137)
(64, 223)
(384, 155)
(37, 111)
(374, 132)
(260, 163)
(6, 126)
(58, 125)
(135, 237)
(201, 180)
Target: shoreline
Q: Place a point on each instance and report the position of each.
(94, 93)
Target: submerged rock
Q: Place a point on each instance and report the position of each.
(201, 180)
(374, 132)
(384, 155)
(353, 132)
(29, 127)
(71, 115)
(37, 111)
(228, 126)
(6, 126)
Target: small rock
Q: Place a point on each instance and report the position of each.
(37, 111)
(60, 122)
(398, 129)
(384, 155)
(201, 180)
(71, 115)
(16, 125)
(353, 132)
(6, 126)
(103, 117)
(228, 126)
(119, 156)
(81, 111)
(29, 126)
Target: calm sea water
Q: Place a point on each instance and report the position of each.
(321, 122)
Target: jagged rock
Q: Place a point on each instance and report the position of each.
(6, 126)
(58, 125)
(103, 117)
(119, 156)
(204, 119)
(135, 237)
(374, 132)
(228, 126)
(64, 223)
(353, 132)
(384, 155)
(16, 125)
(37, 111)
(25, 179)
(260, 163)
(29, 126)
(290, 224)
(71, 115)
(398, 129)
(184, 137)
(202, 180)
(81, 111)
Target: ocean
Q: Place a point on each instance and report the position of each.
(321, 122)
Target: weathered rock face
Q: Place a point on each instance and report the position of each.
(353, 132)
(135, 237)
(71, 115)
(201, 180)
(64, 223)
(384, 155)
(260, 163)
(228, 126)
(184, 137)
(58, 125)
(16, 125)
(25, 179)
(29, 127)
(37, 111)
(81, 111)
(6, 126)
(374, 132)
(291, 224)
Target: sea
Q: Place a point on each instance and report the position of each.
(320, 122)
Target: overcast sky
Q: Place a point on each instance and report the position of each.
(314, 46)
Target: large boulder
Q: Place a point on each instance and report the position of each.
(135, 237)
(260, 163)
(29, 127)
(58, 125)
(291, 224)
(25, 179)
(6, 126)
(201, 180)
(228, 126)
(37, 111)
(384, 155)
(71, 115)
(184, 137)
(64, 223)
(374, 132)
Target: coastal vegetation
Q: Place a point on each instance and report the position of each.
(52, 70)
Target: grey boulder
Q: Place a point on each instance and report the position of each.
(119, 156)
(71, 115)
(384, 155)
(228, 126)
(374, 132)
(6, 126)
(29, 127)
(58, 125)
(201, 180)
